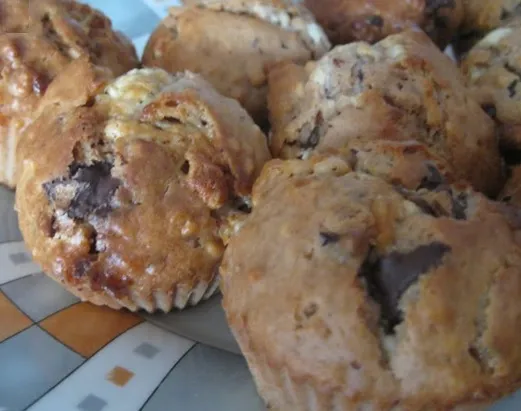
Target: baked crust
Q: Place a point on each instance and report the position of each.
(492, 70)
(402, 88)
(38, 39)
(123, 197)
(346, 21)
(345, 292)
(249, 36)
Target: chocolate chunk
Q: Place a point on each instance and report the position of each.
(433, 179)
(441, 22)
(512, 88)
(505, 14)
(377, 21)
(490, 109)
(328, 238)
(93, 188)
(96, 187)
(433, 6)
(314, 136)
(434, 209)
(388, 277)
(459, 206)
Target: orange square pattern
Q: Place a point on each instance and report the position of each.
(87, 328)
(120, 376)
(12, 320)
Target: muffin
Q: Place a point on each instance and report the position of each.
(38, 40)
(233, 44)
(346, 21)
(402, 88)
(493, 73)
(482, 16)
(123, 199)
(348, 293)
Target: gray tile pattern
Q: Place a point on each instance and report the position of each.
(20, 258)
(147, 350)
(9, 230)
(207, 379)
(38, 296)
(22, 380)
(92, 403)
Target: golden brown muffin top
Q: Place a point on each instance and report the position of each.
(127, 189)
(492, 69)
(402, 88)
(234, 44)
(373, 296)
(75, 29)
(346, 21)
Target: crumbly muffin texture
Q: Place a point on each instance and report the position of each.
(346, 21)
(402, 88)
(38, 39)
(492, 70)
(346, 292)
(249, 36)
(122, 197)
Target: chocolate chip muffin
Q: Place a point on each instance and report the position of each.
(122, 199)
(346, 21)
(349, 293)
(482, 16)
(38, 39)
(493, 73)
(402, 88)
(234, 43)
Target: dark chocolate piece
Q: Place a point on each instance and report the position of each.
(375, 20)
(459, 206)
(388, 277)
(433, 179)
(328, 238)
(490, 109)
(512, 88)
(315, 134)
(93, 186)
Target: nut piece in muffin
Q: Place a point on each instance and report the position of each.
(346, 21)
(348, 293)
(492, 70)
(38, 39)
(122, 199)
(402, 88)
(233, 44)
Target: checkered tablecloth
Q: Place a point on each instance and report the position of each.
(58, 354)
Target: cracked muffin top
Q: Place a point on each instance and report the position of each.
(402, 88)
(249, 36)
(346, 292)
(346, 21)
(73, 28)
(492, 69)
(123, 196)
(38, 39)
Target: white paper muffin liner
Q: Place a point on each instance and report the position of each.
(160, 300)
